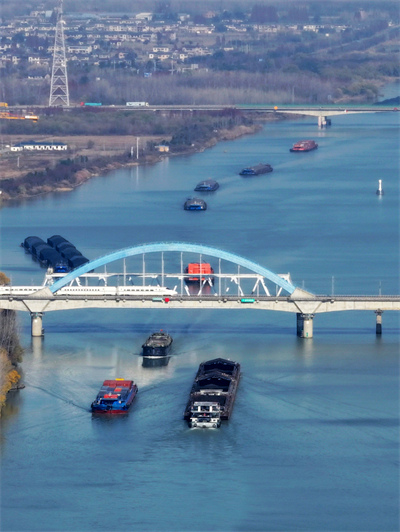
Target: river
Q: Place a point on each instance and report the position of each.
(313, 441)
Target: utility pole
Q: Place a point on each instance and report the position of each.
(137, 148)
(59, 95)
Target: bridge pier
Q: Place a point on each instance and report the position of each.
(305, 325)
(37, 324)
(323, 121)
(378, 321)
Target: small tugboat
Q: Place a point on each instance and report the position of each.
(304, 145)
(157, 345)
(199, 272)
(256, 170)
(114, 397)
(215, 385)
(195, 204)
(209, 185)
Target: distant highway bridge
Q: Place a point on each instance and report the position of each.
(248, 286)
(322, 112)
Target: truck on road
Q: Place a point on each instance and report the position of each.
(137, 104)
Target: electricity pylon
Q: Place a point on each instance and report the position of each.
(59, 95)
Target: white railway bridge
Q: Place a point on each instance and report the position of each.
(236, 283)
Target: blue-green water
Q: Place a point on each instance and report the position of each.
(313, 441)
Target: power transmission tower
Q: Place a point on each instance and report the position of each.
(59, 95)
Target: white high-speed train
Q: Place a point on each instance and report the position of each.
(159, 291)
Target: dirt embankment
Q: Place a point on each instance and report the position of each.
(31, 173)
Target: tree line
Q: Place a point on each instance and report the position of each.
(314, 82)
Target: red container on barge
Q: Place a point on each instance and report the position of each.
(304, 145)
(114, 397)
(198, 272)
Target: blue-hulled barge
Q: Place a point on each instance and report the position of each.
(114, 397)
(256, 170)
(195, 204)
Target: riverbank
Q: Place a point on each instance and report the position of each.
(10, 350)
(26, 174)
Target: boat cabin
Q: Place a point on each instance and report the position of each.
(203, 408)
(205, 414)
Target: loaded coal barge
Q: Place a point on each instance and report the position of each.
(256, 170)
(157, 345)
(213, 393)
(57, 253)
(209, 185)
(45, 254)
(114, 397)
(304, 145)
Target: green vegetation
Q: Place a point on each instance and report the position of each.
(89, 121)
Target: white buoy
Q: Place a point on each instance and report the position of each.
(380, 191)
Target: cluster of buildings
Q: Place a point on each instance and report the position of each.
(39, 146)
(142, 41)
(101, 40)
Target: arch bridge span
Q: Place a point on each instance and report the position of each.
(170, 247)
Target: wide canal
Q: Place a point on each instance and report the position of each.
(313, 440)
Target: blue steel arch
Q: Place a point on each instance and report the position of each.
(172, 246)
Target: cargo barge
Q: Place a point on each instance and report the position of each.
(57, 253)
(256, 170)
(195, 204)
(199, 272)
(73, 257)
(45, 254)
(213, 393)
(157, 345)
(209, 185)
(114, 397)
(304, 145)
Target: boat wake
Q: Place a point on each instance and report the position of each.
(57, 396)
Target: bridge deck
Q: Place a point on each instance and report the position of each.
(314, 305)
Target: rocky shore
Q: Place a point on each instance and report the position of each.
(68, 174)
